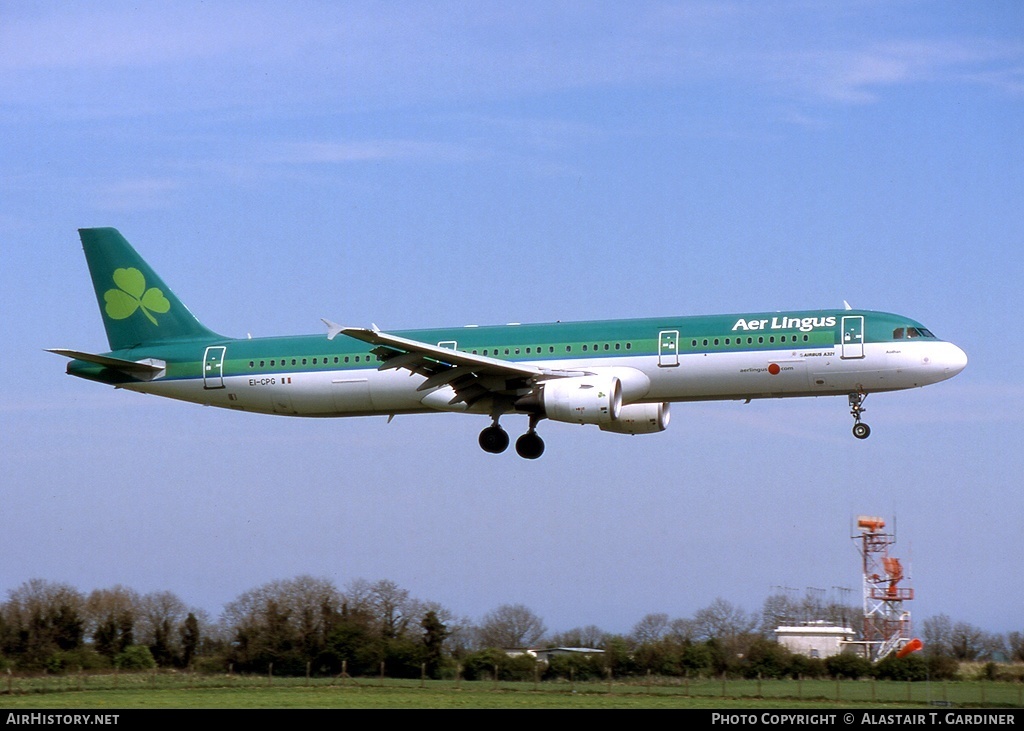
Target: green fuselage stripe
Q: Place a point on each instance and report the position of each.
(529, 343)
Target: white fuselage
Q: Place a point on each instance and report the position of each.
(789, 372)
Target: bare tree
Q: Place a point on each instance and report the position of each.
(781, 609)
(589, 636)
(511, 625)
(682, 631)
(392, 608)
(44, 617)
(778, 610)
(937, 634)
(1015, 642)
(966, 641)
(960, 640)
(282, 619)
(111, 616)
(650, 629)
(723, 621)
(160, 615)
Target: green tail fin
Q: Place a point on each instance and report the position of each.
(136, 306)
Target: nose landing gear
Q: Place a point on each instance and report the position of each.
(860, 429)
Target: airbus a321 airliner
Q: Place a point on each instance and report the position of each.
(619, 375)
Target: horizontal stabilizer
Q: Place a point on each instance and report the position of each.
(146, 369)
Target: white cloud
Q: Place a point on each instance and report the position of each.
(366, 150)
(246, 55)
(136, 194)
(860, 75)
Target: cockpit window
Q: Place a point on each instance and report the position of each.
(911, 332)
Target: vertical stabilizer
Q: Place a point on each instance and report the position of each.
(135, 304)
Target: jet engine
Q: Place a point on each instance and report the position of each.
(639, 419)
(577, 400)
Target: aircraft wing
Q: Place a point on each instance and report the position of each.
(471, 376)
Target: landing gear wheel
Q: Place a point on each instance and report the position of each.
(530, 445)
(860, 429)
(494, 439)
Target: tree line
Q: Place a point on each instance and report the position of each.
(308, 625)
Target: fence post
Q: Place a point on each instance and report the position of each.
(381, 673)
(608, 670)
(270, 673)
(423, 675)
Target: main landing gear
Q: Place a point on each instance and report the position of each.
(860, 429)
(495, 440)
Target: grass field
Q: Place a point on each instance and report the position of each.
(150, 690)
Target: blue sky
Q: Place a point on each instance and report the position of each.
(426, 164)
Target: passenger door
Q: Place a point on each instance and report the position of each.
(213, 367)
(668, 348)
(853, 336)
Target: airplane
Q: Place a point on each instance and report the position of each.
(618, 375)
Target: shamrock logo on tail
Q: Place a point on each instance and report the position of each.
(131, 294)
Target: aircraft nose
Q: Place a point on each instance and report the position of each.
(958, 361)
(950, 358)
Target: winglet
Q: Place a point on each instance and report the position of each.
(846, 305)
(333, 328)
